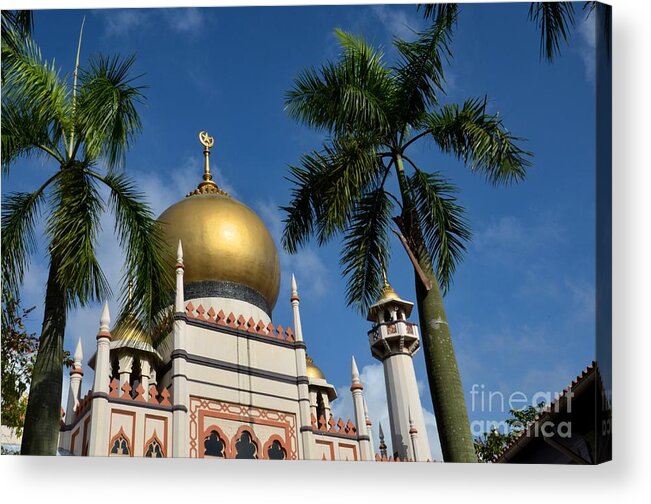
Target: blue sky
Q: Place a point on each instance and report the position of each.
(521, 308)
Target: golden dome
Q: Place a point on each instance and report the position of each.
(223, 240)
(387, 291)
(313, 371)
(128, 331)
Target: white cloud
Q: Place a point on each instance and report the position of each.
(124, 22)
(121, 22)
(188, 20)
(372, 377)
(396, 21)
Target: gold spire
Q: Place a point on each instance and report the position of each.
(387, 290)
(207, 185)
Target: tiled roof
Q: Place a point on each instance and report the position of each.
(592, 368)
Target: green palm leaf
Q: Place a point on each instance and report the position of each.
(105, 112)
(350, 94)
(554, 20)
(146, 260)
(442, 222)
(366, 248)
(420, 73)
(72, 229)
(479, 139)
(20, 213)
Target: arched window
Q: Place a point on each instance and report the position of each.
(245, 446)
(214, 445)
(276, 451)
(120, 446)
(153, 449)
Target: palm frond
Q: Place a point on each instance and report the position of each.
(442, 222)
(33, 84)
(366, 248)
(480, 140)
(438, 10)
(72, 229)
(24, 135)
(106, 119)
(148, 263)
(420, 73)
(300, 213)
(554, 20)
(348, 95)
(20, 213)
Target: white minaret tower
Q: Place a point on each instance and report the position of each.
(394, 341)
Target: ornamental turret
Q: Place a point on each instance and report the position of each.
(394, 340)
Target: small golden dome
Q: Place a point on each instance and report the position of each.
(313, 371)
(223, 239)
(128, 331)
(387, 290)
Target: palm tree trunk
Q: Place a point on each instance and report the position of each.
(440, 360)
(443, 373)
(41, 431)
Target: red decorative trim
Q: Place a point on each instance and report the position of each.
(179, 265)
(239, 322)
(413, 430)
(356, 386)
(131, 414)
(85, 438)
(76, 370)
(104, 334)
(203, 411)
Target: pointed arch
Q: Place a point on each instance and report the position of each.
(119, 444)
(153, 442)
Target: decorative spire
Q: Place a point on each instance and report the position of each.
(105, 318)
(78, 356)
(294, 296)
(357, 384)
(179, 255)
(207, 185)
(104, 323)
(383, 446)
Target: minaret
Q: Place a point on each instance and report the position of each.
(301, 370)
(180, 396)
(76, 375)
(99, 423)
(360, 418)
(394, 341)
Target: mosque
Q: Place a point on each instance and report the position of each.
(230, 382)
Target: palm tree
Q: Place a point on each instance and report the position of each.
(554, 20)
(373, 114)
(84, 129)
